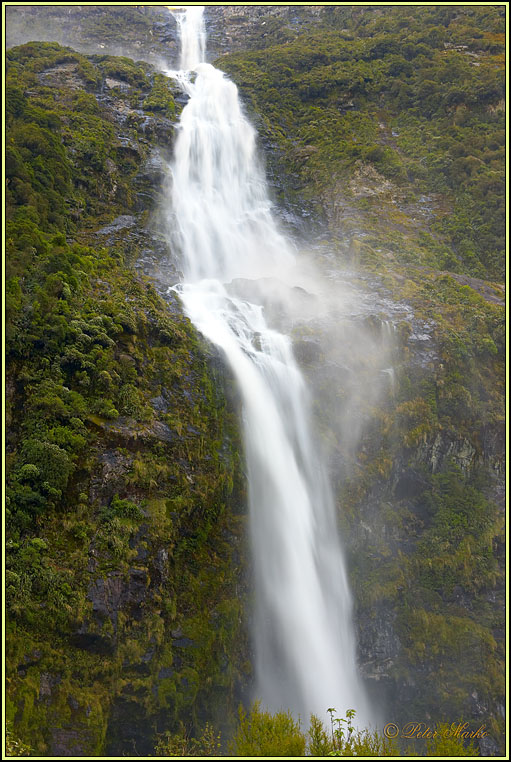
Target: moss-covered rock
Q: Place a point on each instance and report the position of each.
(125, 495)
(383, 131)
(388, 124)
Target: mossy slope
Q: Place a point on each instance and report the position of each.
(387, 124)
(124, 572)
(391, 123)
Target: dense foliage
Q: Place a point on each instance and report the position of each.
(123, 464)
(390, 123)
(261, 733)
(417, 94)
(123, 588)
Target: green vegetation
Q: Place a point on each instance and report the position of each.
(14, 747)
(425, 484)
(264, 734)
(181, 744)
(122, 453)
(124, 69)
(390, 124)
(124, 591)
(457, 546)
(161, 97)
(414, 96)
(465, 389)
(430, 460)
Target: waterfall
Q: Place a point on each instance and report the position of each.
(224, 230)
(192, 34)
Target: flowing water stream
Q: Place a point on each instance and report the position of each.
(225, 232)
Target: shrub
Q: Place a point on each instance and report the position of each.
(262, 734)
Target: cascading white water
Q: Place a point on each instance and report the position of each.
(192, 35)
(223, 226)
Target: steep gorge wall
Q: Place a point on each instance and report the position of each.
(125, 502)
(429, 600)
(344, 114)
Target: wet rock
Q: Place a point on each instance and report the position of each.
(161, 431)
(410, 485)
(423, 350)
(233, 27)
(307, 351)
(379, 645)
(47, 685)
(148, 656)
(63, 74)
(154, 261)
(96, 644)
(119, 111)
(443, 447)
(83, 28)
(153, 171)
(120, 223)
(112, 477)
(70, 742)
(142, 553)
(122, 86)
(183, 642)
(162, 564)
(160, 404)
(127, 145)
(493, 444)
(123, 430)
(29, 660)
(114, 593)
(488, 747)
(180, 640)
(126, 733)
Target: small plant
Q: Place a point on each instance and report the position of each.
(182, 744)
(14, 747)
(341, 734)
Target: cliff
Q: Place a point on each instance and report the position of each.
(383, 134)
(370, 120)
(125, 502)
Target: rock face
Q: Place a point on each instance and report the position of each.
(394, 467)
(408, 383)
(131, 577)
(233, 28)
(141, 32)
(150, 33)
